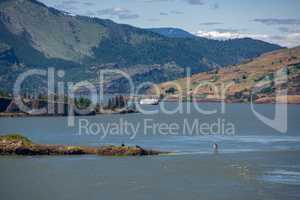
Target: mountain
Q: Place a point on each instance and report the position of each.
(263, 75)
(172, 32)
(33, 35)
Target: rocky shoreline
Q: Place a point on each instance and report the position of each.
(20, 145)
(9, 108)
(289, 99)
(103, 112)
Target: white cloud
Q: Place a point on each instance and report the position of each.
(225, 35)
(288, 40)
(195, 2)
(275, 21)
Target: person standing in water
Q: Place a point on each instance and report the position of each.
(215, 148)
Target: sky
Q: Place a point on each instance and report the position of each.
(275, 21)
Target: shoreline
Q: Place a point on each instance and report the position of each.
(22, 114)
(25, 115)
(266, 102)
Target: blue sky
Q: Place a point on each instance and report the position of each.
(276, 21)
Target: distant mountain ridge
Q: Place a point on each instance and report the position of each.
(36, 36)
(172, 32)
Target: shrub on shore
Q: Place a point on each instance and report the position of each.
(15, 138)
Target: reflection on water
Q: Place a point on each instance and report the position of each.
(283, 176)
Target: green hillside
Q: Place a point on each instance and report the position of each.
(41, 37)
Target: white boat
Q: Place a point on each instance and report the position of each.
(149, 101)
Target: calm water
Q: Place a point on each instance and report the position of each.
(257, 162)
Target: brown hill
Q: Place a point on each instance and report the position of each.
(258, 78)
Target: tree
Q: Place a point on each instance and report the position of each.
(117, 100)
(83, 102)
(122, 102)
(171, 90)
(109, 105)
(4, 94)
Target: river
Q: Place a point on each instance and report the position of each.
(254, 161)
